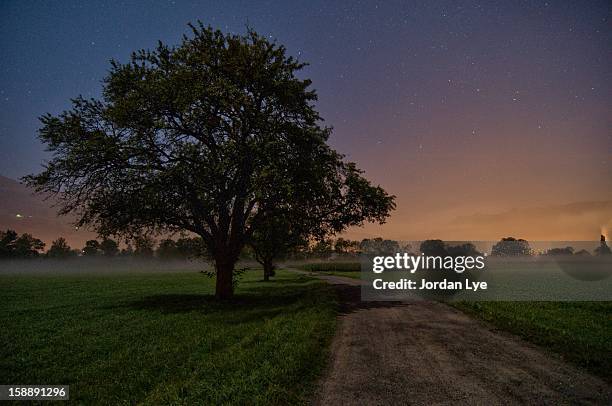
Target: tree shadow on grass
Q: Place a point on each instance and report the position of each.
(259, 300)
(256, 303)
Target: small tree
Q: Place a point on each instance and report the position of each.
(325, 197)
(273, 240)
(60, 249)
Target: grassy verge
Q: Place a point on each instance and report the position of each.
(346, 269)
(346, 274)
(581, 332)
(161, 338)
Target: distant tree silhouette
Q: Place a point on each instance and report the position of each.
(109, 248)
(144, 246)
(433, 248)
(183, 248)
(204, 137)
(321, 249)
(560, 251)
(167, 249)
(511, 247)
(440, 248)
(583, 253)
(463, 250)
(91, 249)
(27, 246)
(60, 249)
(603, 248)
(12, 245)
(7, 243)
(128, 251)
(342, 246)
(192, 247)
(378, 246)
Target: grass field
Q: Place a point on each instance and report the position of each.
(161, 338)
(581, 332)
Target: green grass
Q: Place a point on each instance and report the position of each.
(332, 267)
(581, 332)
(161, 338)
(346, 274)
(345, 269)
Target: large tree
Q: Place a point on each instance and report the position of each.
(206, 137)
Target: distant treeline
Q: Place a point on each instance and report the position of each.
(15, 246)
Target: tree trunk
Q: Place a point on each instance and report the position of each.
(268, 268)
(224, 288)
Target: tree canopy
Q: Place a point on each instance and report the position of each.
(13, 245)
(211, 137)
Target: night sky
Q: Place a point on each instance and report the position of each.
(484, 118)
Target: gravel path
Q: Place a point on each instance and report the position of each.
(423, 353)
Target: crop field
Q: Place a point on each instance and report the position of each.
(577, 331)
(161, 338)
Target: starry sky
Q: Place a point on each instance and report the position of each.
(484, 118)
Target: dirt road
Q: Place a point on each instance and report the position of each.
(425, 353)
